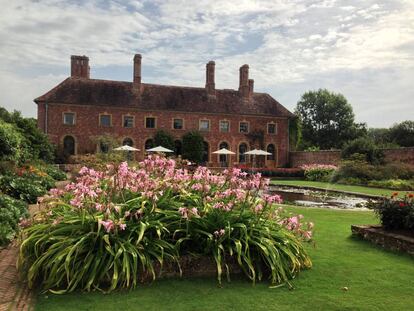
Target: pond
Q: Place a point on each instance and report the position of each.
(326, 199)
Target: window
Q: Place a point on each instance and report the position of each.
(69, 118)
(128, 121)
(271, 128)
(204, 125)
(178, 124)
(224, 126)
(244, 127)
(105, 120)
(150, 122)
(242, 150)
(68, 145)
(271, 149)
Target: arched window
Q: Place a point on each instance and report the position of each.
(149, 143)
(271, 149)
(178, 147)
(69, 145)
(205, 152)
(223, 158)
(128, 142)
(242, 150)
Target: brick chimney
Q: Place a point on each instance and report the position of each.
(137, 72)
(210, 84)
(79, 66)
(251, 87)
(244, 82)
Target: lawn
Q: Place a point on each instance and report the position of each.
(376, 279)
(330, 186)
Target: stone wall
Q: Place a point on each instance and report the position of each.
(298, 158)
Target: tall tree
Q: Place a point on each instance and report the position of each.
(403, 133)
(328, 120)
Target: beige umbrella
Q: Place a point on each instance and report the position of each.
(126, 148)
(225, 152)
(256, 152)
(160, 149)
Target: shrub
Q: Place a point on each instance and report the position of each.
(363, 146)
(165, 139)
(22, 188)
(36, 144)
(11, 143)
(54, 172)
(365, 172)
(395, 213)
(397, 184)
(319, 172)
(110, 229)
(193, 146)
(98, 161)
(11, 211)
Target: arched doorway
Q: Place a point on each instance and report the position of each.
(68, 145)
(149, 143)
(178, 148)
(242, 149)
(206, 151)
(127, 142)
(223, 158)
(271, 149)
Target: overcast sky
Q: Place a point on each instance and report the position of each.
(362, 49)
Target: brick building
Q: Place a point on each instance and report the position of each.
(80, 109)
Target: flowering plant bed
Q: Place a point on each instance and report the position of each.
(110, 229)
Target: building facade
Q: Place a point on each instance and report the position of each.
(80, 109)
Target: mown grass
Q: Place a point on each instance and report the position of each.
(330, 186)
(376, 280)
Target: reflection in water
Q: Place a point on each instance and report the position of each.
(319, 199)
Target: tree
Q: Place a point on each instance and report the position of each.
(327, 120)
(37, 143)
(11, 143)
(193, 146)
(163, 138)
(403, 133)
(295, 133)
(363, 146)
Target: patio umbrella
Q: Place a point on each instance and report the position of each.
(256, 152)
(126, 148)
(224, 151)
(160, 149)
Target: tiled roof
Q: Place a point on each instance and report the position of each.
(160, 97)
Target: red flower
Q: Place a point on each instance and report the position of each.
(402, 204)
(410, 195)
(395, 194)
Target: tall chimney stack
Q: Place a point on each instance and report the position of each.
(251, 88)
(210, 84)
(244, 81)
(137, 72)
(79, 66)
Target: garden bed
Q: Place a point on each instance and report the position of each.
(395, 240)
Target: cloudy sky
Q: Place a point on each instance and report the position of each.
(362, 49)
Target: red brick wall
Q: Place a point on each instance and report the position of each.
(87, 126)
(299, 158)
